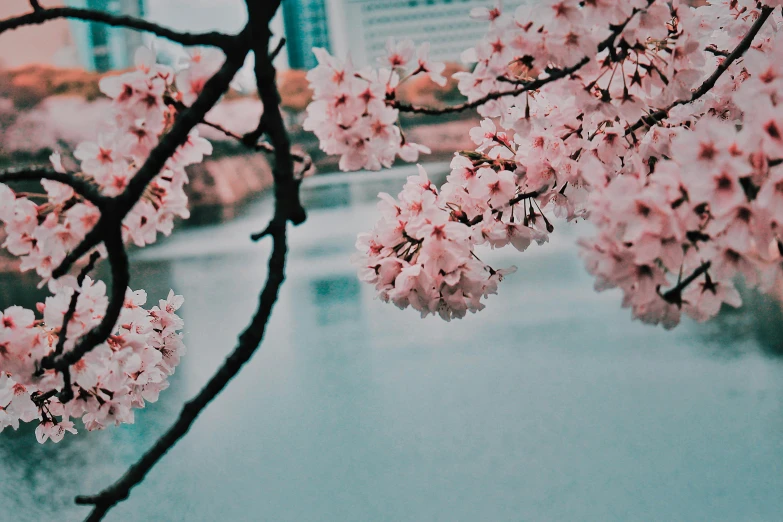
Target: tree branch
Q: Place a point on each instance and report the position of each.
(120, 275)
(79, 185)
(258, 146)
(41, 15)
(526, 86)
(120, 205)
(286, 195)
(710, 82)
(67, 392)
(288, 206)
(674, 295)
(249, 341)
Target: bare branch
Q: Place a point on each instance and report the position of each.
(79, 185)
(61, 336)
(67, 392)
(258, 147)
(287, 208)
(35, 5)
(527, 86)
(41, 15)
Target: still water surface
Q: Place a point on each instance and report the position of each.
(549, 406)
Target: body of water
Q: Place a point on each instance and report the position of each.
(551, 405)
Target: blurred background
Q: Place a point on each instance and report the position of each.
(550, 405)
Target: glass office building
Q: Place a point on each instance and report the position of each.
(446, 24)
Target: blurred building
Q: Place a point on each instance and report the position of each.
(47, 44)
(361, 27)
(101, 47)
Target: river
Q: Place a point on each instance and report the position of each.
(551, 405)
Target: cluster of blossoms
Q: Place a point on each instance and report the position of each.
(42, 233)
(351, 112)
(114, 378)
(41, 229)
(597, 110)
(418, 256)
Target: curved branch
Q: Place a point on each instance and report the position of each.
(526, 86)
(120, 275)
(709, 83)
(118, 207)
(80, 186)
(41, 15)
(249, 341)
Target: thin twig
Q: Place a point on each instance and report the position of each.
(122, 204)
(63, 334)
(287, 203)
(67, 392)
(674, 295)
(80, 186)
(709, 83)
(41, 15)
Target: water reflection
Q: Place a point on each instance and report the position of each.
(552, 405)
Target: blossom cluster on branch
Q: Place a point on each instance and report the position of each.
(659, 122)
(108, 383)
(131, 367)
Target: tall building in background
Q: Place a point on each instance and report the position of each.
(361, 27)
(306, 26)
(47, 44)
(101, 47)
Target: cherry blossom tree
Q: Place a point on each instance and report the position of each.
(658, 122)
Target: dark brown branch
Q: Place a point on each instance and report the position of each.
(249, 342)
(526, 86)
(74, 300)
(258, 147)
(115, 212)
(67, 392)
(288, 206)
(674, 295)
(717, 52)
(120, 275)
(709, 83)
(80, 186)
(41, 15)
(35, 5)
